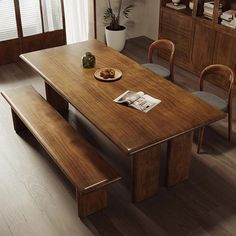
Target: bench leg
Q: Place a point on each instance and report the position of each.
(145, 173)
(91, 202)
(17, 123)
(179, 156)
(56, 100)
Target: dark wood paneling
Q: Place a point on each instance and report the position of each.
(42, 41)
(225, 50)
(182, 44)
(9, 51)
(178, 29)
(55, 100)
(54, 39)
(176, 22)
(17, 123)
(145, 173)
(179, 156)
(91, 202)
(202, 47)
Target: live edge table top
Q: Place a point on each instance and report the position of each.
(129, 129)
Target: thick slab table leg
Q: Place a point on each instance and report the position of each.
(145, 173)
(17, 123)
(92, 202)
(179, 156)
(56, 100)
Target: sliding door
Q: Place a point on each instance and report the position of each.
(9, 43)
(32, 25)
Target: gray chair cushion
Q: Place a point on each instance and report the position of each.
(212, 100)
(159, 70)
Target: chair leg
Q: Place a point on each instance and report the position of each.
(171, 78)
(229, 126)
(200, 138)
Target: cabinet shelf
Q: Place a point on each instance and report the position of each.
(204, 18)
(187, 11)
(226, 29)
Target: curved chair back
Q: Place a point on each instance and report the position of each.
(221, 76)
(167, 45)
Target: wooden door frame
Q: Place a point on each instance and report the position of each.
(11, 49)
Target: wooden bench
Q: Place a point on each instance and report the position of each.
(87, 171)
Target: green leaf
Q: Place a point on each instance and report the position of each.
(108, 14)
(127, 10)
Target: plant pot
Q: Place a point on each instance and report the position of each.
(191, 5)
(176, 2)
(116, 38)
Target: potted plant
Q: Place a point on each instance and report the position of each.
(115, 32)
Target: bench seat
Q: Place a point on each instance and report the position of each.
(76, 158)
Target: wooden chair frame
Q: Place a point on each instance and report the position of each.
(165, 44)
(226, 72)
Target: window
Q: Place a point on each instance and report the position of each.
(52, 15)
(8, 27)
(30, 17)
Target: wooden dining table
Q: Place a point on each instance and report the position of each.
(137, 134)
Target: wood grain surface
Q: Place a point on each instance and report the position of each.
(145, 173)
(73, 155)
(36, 199)
(179, 155)
(55, 100)
(129, 129)
(199, 41)
(91, 202)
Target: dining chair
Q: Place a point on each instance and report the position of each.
(169, 48)
(221, 76)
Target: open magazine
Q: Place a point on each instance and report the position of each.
(137, 100)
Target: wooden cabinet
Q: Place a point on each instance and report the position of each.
(200, 40)
(225, 50)
(178, 30)
(202, 47)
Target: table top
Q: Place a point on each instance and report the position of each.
(131, 130)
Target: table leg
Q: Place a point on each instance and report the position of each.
(56, 100)
(92, 202)
(17, 123)
(145, 173)
(179, 156)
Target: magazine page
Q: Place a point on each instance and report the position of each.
(138, 100)
(129, 97)
(145, 103)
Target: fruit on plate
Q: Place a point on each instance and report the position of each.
(107, 73)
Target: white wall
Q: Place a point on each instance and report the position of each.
(143, 20)
(151, 16)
